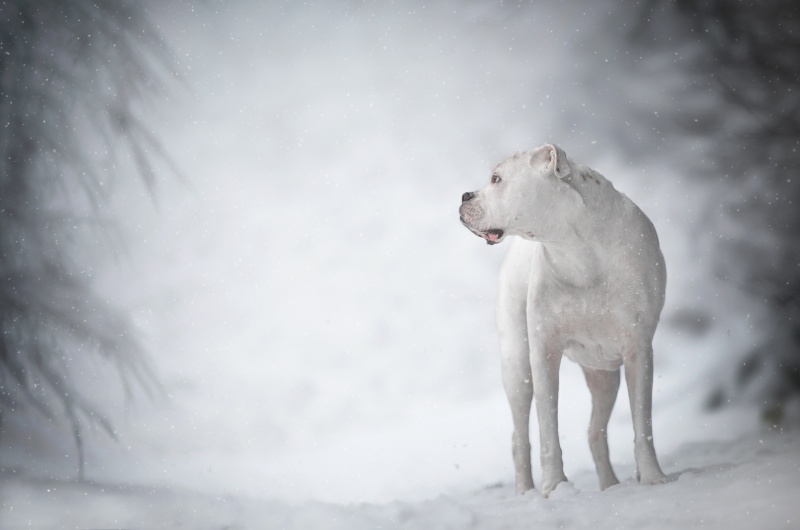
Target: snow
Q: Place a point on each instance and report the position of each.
(324, 325)
(748, 483)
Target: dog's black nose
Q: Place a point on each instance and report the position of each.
(467, 196)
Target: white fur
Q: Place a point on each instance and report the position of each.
(585, 279)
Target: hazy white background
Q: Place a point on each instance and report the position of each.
(323, 324)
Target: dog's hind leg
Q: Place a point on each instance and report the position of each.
(604, 386)
(639, 378)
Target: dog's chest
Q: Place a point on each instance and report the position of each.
(596, 328)
(593, 337)
(597, 349)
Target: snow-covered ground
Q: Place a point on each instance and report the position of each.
(324, 325)
(745, 484)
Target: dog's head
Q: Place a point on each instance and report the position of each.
(526, 197)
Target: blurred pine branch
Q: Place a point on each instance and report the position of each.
(74, 76)
(742, 98)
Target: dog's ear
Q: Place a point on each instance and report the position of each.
(552, 158)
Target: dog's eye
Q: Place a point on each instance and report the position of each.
(495, 179)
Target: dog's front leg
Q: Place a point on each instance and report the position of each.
(639, 378)
(516, 369)
(545, 363)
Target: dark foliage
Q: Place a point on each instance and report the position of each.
(73, 75)
(743, 101)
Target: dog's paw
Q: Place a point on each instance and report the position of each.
(522, 489)
(549, 483)
(651, 479)
(608, 481)
(564, 490)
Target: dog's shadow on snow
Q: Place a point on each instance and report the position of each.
(691, 472)
(502, 489)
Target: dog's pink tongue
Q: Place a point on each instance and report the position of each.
(492, 237)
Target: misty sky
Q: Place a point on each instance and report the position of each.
(306, 291)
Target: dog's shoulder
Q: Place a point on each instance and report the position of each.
(596, 190)
(605, 201)
(586, 175)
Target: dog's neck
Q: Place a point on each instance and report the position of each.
(572, 261)
(574, 248)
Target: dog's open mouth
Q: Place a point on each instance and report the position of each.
(492, 235)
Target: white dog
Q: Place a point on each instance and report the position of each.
(585, 278)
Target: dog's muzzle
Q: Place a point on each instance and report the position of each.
(492, 236)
